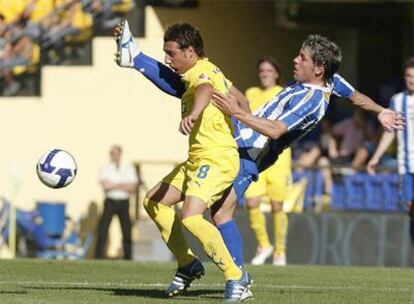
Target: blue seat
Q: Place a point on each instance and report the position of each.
(338, 195)
(318, 188)
(53, 218)
(392, 199)
(375, 192)
(356, 194)
(308, 174)
(48, 237)
(297, 175)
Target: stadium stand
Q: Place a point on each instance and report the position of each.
(355, 191)
(43, 32)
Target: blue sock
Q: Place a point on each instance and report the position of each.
(233, 241)
(159, 74)
(412, 228)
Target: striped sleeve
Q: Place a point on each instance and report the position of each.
(303, 110)
(341, 87)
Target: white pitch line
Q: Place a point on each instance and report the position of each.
(266, 286)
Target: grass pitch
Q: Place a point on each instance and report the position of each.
(39, 281)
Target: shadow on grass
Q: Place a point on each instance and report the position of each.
(145, 293)
(12, 292)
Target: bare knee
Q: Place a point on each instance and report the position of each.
(253, 202)
(164, 194)
(222, 216)
(223, 210)
(277, 207)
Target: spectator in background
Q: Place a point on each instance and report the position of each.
(348, 135)
(71, 25)
(12, 10)
(338, 145)
(341, 142)
(402, 102)
(274, 182)
(366, 151)
(17, 52)
(59, 30)
(119, 181)
(107, 13)
(317, 155)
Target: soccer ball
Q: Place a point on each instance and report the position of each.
(56, 168)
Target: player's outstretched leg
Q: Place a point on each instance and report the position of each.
(129, 55)
(126, 47)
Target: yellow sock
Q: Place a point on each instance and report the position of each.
(171, 231)
(258, 225)
(213, 245)
(280, 224)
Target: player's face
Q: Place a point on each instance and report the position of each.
(268, 75)
(409, 79)
(178, 59)
(304, 69)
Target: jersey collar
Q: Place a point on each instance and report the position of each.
(326, 89)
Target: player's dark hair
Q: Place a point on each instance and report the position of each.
(272, 61)
(185, 35)
(324, 52)
(409, 63)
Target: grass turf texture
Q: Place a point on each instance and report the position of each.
(39, 281)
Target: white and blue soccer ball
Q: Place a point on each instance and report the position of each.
(56, 168)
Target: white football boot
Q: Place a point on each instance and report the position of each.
(126, 47)
(262, 255)
(279, 260)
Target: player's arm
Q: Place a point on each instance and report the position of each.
(385, 141)
(229, 105)
(241, 98)
(364, 102)
(389, 119)
(202, 96)
(107, 185)
(128, 187)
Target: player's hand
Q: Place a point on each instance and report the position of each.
(371, 166)
(226, 103)
(187, 124)
(391, 120)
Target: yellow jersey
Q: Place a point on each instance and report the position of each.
(12, 9)
(75, 14)
(257, 96)
(213, 129)
(41, 9)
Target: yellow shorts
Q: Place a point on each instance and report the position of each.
(276, 181)
(206, 176)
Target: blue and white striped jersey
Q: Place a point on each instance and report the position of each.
(402, 102)
(341, 87)
(300, 107)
